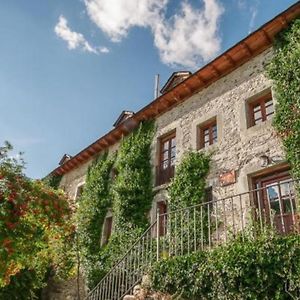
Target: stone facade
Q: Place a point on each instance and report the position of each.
(238, 148)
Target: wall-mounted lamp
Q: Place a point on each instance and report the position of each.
(264, 160)
(267, 160)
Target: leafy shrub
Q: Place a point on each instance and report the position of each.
(266, 267)
(284, 70)
(36, 231)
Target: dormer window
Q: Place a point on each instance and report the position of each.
(174, 80)
(126, 114)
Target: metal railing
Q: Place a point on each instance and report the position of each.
(201, 227)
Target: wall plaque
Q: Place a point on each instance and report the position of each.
(227, 178)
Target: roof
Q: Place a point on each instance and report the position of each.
(242, 52)
(64, 159)
(174, 80)
(125, 114)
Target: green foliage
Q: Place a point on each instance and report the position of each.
(188, 186)
(52, 181)
(284, 70)
(130, 196)
(93, 206)
(132, 189)
(266, 267)
(36, 230)
(26, 285)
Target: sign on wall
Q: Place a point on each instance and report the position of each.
(227, 178)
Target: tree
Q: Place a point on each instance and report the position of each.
(36, 230)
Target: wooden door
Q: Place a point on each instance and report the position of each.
(276, 201)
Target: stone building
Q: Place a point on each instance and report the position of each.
(225, 108)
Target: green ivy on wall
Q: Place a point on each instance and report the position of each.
(284, 70)
(132, 189)
(52, 180)
(93, 206)
(130, 196)
(188, 186)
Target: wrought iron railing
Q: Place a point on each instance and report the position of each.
(201, 227)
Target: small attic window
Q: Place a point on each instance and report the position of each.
(126, 114)
(175, 79)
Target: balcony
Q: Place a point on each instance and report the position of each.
(163, 176)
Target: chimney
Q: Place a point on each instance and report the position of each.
(156, 86)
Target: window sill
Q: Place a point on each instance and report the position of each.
(258, 127)
(211, 148)
(161, 187)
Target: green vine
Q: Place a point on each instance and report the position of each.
(188, 186)
(52, 181)
(93, 206)
(129, 195)
(284, 70)
(132, 189)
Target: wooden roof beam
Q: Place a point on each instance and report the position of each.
(246, 49)
(175, 96)
(103, 143)
(283, 21)
(188, 88)
(229, 59)
(198, 76)
(266, 36)
(79, 158)
(214, 70)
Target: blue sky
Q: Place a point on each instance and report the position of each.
(68, 68)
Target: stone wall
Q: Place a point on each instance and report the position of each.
(238, 147)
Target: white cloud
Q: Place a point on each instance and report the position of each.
(253, 12)
(103, 50)
(191, 36)
(252, 8)
(187, 39)
(74, 39)
(116, 17)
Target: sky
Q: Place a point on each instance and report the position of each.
(68, 68)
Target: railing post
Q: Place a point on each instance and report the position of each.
(157, 234)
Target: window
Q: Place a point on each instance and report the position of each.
(167, 157)
(79, 191)
(261, 109)
(162, 210)
(107, 229)
(208, 134)
(275, 200)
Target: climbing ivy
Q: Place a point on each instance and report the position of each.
(52, 180)
(129, 194)
(284, 70)
(93, 206)
(132, 189)
(188, 186)
(188, 189)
